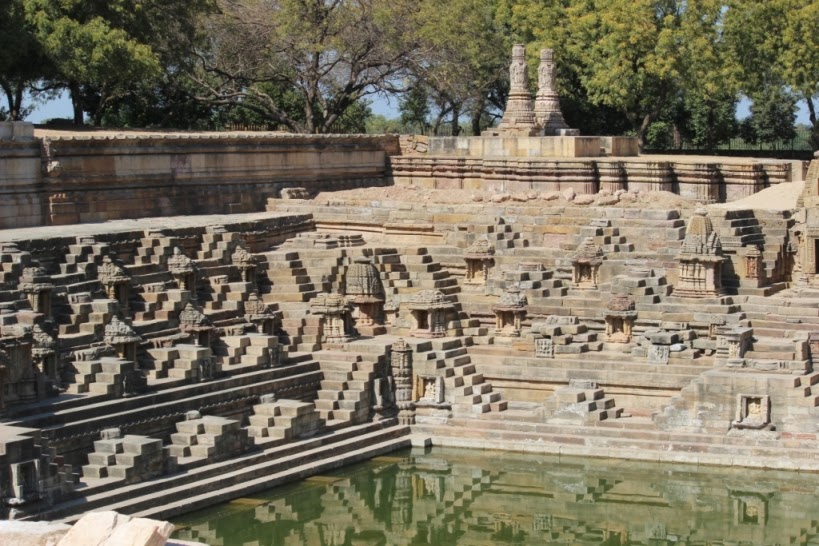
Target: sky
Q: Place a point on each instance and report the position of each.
(61, 108)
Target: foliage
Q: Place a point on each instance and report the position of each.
(101, 50)
(772, 118)
(774, 44)
(329, 54)
(21, 59)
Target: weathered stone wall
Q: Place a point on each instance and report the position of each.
(722, 180)
(80, 179)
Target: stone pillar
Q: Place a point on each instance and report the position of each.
(547, 105)
(401, 364)
(754, 267)
(246, 263)
(518, 118)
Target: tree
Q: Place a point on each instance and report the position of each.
(329, 54)
(462, 60)
(774, 43)
(22, 62)
(103, 49)
(773, 114)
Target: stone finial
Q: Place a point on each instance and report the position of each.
(35, 279)
(256, 307)
(363, 280)
(518, 75)
(117, 332)
(429, 299)
(44, 342)
(179, 264)
(401, 346)
(481, 248)
(192, 318)
(326, 304)
(512, 299)
(242, 258)
(109, 273)
(588, 251)
(621, 304)
(700, 237)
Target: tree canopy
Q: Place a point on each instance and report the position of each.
(315, 65)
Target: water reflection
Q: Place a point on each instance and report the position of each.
(449, 496)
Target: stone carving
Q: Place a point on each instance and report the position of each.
(547, 106)
(586, 264)
(192, 321)
(659, 354)
(183, 270)
(115, 281)
(259, 313)
(700, 259)
(246, 263)
(35, 283)
(122, 338)
(428, 309)
(519, 117)
(401, 364)
(429, 390)
(753, 412)
(620, 315)
(44, 355)
(336, 318)
(544, 347)
(479, 258)
(510, 312)
(365, 293)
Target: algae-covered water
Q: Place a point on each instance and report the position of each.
(447, 496)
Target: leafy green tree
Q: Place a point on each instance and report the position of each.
(774, 44)
(461, 60)
(103, 49)
(22, 62)
(773, 117)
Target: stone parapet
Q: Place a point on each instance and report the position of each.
(707, 182)
(59, 180)
(530, 146)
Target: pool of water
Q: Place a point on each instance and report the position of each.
(465, 497)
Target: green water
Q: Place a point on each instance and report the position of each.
(447, 496)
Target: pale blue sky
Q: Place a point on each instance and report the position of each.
(61, 108)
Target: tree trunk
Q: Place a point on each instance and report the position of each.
(76, 104)
(456, 113)
(814, 128)
(641, 134)
(16, 111)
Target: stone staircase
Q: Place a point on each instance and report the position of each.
(346, 386)
(182, 361)
(283, 420)
(210, 437)
(582, 402)
(464, 387)
(247, 351)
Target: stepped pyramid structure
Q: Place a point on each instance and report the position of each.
(573, 308)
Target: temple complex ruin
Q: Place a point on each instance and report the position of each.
(562, 294)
